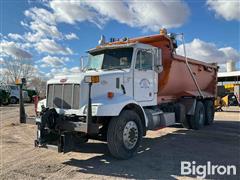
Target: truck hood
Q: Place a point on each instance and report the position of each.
(78, 77)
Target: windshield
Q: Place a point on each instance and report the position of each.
(110, 59)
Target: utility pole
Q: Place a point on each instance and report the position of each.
(22, 114)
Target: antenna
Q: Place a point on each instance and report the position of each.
(81, 63)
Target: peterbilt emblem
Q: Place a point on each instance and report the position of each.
(144, 83)
(63, 80)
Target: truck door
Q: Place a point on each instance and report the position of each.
(144, 75)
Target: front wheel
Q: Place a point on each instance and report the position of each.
(124, 134)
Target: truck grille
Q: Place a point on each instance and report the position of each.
(64, 96)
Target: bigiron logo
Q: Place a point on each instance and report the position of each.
(209, 169)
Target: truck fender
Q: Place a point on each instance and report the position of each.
(104, 106)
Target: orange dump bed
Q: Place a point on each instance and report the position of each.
(175, 80)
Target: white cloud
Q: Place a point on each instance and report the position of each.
(51, 47)
(15, 36)
(150, 15)
(121, 12)
(229, 10)
(41, 30)
(73, 11)
(1, 61)
(40, 15)
(11, 49)
(45, 30)
(231, 53)
(62, 71)
(26, 45)
(53, 61)
(75, 70)
(209, 52)
(156, 14)
(24, 24)
(33, 37)
(42, 24)
(71, 36)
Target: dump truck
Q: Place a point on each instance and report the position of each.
(129, 86)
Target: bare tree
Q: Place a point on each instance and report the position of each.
(16, 61)
(39, 85)
(17, 68)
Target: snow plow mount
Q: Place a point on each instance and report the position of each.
(61, 132)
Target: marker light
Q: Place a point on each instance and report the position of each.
(91, 79)
(18, 81)
(110, 95)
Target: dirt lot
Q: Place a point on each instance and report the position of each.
(159, 156)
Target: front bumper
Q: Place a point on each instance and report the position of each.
(61, 132)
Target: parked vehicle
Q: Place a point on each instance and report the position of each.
(31, 93)
(14, 94)
(4, 94)
(225, 98)
(128, 87)
(4, 97)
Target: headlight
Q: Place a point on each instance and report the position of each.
(94, 109)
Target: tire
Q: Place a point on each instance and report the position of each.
(209, 112)
(5, 103)
(197, 121)
(120, 128)
(13, 100)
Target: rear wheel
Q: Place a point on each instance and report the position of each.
(197, 120)
(124, 134)
(209, 112)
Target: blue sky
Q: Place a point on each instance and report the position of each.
(57, 33)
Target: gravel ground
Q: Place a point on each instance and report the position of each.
(159, 156)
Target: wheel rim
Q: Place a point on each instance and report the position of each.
(130, 135)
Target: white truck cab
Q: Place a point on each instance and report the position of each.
(14, 94)
(126, 75)
(117, 80)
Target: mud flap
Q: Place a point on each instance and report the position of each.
(66, 143)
